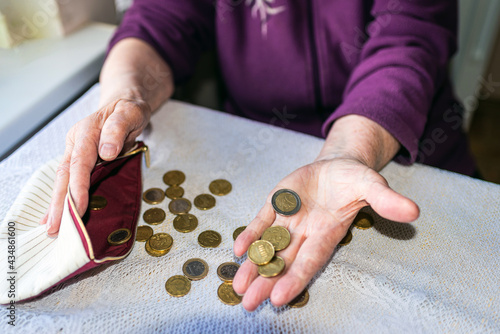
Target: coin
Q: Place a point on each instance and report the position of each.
(179, 206)
(154, 216)
(278, 236)
(178, 286)
(161, 241)
(286, 202)
(220, 187)
(363, 221)
(195, 269)
(185, 223)
(238, 231)
(154, 252)
(301, 300)
(261, 252)
(174, 178)
(143, 233)
(119, 237)
(227, 271)
(209, 239)
(174, 192)
(97, 202)
(204, 201)
(227, 295)
(347, 239)
(273, 268)
(153, 196)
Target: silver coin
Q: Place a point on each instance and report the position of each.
(286, 202)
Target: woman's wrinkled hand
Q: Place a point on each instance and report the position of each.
(332, 192)
(105, 133)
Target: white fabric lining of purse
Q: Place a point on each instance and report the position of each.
(41, 261)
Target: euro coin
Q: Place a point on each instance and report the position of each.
(204, 201)
(286, 202)
(220, 187)
(301, 300)
(261, 252)
(227, 295)
(179, 206)
(119, 237)
(227, 271)
(154, 216)
(161, 242)
(273, 268)
(174, 192)
(209, 239)
(278, 236)
(143, 233)
(347, 239)
(185, 223)
(363, 221)
(174, 178)
(178, 286)
(154, 252)
(153, 196)
(195, 269)
(238, 231)
(97, 202)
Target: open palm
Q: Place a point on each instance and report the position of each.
(332, 192)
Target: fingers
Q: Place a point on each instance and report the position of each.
(256, 288)
(58, 194)
(314, 252)
(391, 205)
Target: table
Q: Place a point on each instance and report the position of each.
(39, 77)
(438, 274)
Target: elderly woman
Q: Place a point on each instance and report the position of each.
(368, 75)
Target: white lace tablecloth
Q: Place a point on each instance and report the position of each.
(438, 274)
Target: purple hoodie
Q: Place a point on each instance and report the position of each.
(302, 64)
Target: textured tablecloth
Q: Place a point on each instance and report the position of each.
(438, 274)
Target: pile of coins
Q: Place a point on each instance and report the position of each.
(184, 222)
(263, 252)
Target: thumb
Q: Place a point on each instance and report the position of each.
(390, 204)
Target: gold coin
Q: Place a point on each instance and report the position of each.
(261, 252)
(185, 223)
(195, 269)
(119, 237)
(154, 252)
(238, 231)
(154, 216)
(363, 221)
(204, 201)
(227, 295)
(97, 202)
(174, 192)
(153, 196)
(278, 236)
(178, 286)
(179, 206)
(220, 187)
(286, 202)
(143, 233)
(161, 241)
(209, 239)
(174, 178)
(227, 271)
(301, 300)
(347, 239)
(273, 268)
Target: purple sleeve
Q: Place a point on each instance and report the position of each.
(179, 30)
(401, 66)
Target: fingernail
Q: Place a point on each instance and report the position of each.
(108, 151)
(48, 225)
